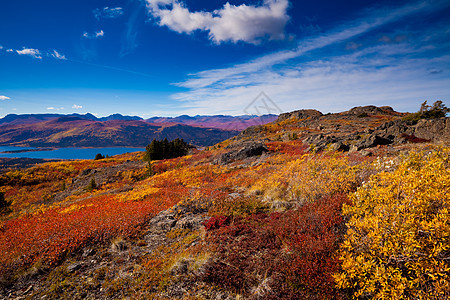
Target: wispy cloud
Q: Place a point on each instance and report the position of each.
(130, 35)
(95, 35)
(376, 73)
(58, 55)
(75, 106)
(247, 23)
(2, 97)
(30, 52)
(108, 12)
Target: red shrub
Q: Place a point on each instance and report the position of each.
(49, 235)
(292, 148)
(289, 255)
(414, 139)
(215, 222)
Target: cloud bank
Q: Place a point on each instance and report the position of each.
(2, 97)
(247, 23)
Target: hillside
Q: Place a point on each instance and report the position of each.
(229, 123)
(310, 206)
(74, 131)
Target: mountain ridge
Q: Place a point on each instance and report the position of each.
(73, 131)
(224, 122)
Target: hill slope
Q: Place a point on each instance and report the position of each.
(269, 214)
(74, 131)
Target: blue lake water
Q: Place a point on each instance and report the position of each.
(66, 153)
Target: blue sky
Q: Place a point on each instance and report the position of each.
(173, 57)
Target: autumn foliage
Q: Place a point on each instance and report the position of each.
(287, 255)
(289, 225)
(397, 245)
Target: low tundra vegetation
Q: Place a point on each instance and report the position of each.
(287, 225)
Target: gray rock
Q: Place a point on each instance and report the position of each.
(373, 141)
(73, 267)
(435, 130)
(250, 150)
(163, 221)
(192, 222)
(338, 146)
(86, 172)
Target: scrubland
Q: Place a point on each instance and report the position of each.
(288, 224)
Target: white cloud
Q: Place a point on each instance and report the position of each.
(2, 97)
(108, 12)
(232, 23)
(39, 54)
(55, 108)
(379, 75)
(58, 55)
(94, 35)
(75, 106)
(31, 52)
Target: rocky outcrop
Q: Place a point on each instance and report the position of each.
(371, 110)
(394, 132)
(249, 150)
(436, 130)
(300, 114)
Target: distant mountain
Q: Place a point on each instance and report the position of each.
(80, 131)
(233, 123)
(218, 121)
(120, 117)
(36, 118)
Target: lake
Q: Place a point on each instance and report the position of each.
(64, 153)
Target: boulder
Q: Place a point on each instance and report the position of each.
(436, 130)
(250, 150)
(338, 146)
(372, 141)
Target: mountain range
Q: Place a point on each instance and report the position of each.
(77, 130)
(214, 121)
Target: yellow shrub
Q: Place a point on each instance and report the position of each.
(308, 178)
(398, 241)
